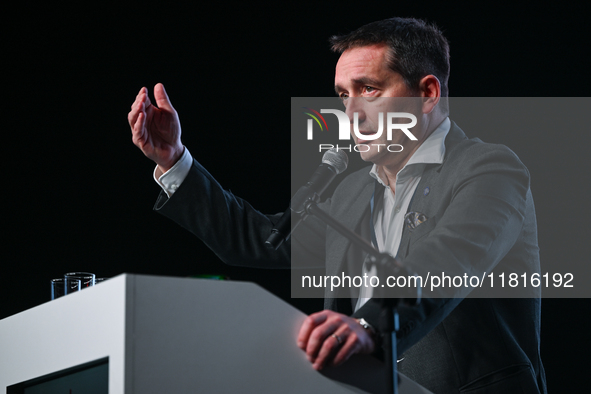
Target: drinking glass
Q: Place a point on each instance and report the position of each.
(87, 279)
(63, 286)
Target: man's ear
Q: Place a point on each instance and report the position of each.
(430, 91)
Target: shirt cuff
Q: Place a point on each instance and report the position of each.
(174, 177)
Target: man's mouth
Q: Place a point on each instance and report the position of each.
(363, 132)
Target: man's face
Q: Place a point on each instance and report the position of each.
(363, 79)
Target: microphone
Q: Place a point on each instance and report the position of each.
(334, 162)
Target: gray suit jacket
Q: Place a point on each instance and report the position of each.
(481, 218)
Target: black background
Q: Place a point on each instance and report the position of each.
(77, 195)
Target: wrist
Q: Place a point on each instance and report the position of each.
(368, 327)
(164, 166)
(373, 334)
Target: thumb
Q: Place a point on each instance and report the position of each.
(162, 100)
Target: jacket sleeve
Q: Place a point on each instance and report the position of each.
(234, 230)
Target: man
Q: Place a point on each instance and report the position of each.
(475, 198)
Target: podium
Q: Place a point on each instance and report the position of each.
(148, 334)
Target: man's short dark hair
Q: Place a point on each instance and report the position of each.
(417, 49)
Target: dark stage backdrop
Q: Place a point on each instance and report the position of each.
(77, 195)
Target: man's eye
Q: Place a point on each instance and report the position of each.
(369, 89)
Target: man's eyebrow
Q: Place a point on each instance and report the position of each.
(364, 81)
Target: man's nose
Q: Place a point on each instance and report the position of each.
(355, 105)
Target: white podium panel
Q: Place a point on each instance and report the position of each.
(176, 335)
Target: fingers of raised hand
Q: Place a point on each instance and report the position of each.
(138, 107)
(137, 130)
(143, 97)
(162, 100)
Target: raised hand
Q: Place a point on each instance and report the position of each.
(156, 130)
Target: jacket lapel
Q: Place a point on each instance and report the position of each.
(422, 200)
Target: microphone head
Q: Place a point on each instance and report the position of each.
(337, 159)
